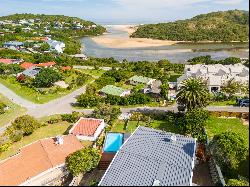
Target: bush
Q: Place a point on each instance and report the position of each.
(236, 182)
(88, 100)
(229, 150)
(71, 118)
(26, 124)
(82, 161)
(2, 107)
(54, 120)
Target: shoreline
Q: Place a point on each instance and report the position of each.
(125, 42)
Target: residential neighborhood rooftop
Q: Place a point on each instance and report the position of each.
(36, 158)
(86, 126)
(140, 79)
(151, 155)
(113, 90)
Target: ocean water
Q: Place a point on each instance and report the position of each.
(178, 53)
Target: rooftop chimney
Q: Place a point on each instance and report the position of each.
(59, 140)
(173, 138)
(157, 183)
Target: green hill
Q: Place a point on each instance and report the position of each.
(59, 27)
(224, 26)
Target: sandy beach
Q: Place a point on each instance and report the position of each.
(127, 42)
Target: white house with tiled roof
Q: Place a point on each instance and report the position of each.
(216, 75)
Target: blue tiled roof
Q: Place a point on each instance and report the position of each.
(14, 43)
(150, 155)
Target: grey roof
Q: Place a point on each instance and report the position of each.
(14, 43)
(149, 155)
(32, 71)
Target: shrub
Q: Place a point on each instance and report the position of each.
(71, 118)
(236, 182)
(55, 119)
(229, 150)
(82, 161)
(2, 107)
(26, 124)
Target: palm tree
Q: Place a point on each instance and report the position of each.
(193, 93)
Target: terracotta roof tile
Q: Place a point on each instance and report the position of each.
(6, 61)
(36, 158)
(86, 127)
(27, 65)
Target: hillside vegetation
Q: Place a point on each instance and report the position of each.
(225, 26)
(59, 27)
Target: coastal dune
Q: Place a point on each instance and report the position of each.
(125, 41)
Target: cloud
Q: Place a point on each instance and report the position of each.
(172, 3)
(229, 2)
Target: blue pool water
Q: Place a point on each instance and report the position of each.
(113, 142)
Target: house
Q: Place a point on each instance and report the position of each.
(152, 157)
(27, 65)
(39, 163)
(80, 56)
(135, 80)
(88, 128)
(10, 61)
(56, 45)
(114, 90)
(216, 75)
(13, 45)
(31, 72)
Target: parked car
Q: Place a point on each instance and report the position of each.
(244, 103)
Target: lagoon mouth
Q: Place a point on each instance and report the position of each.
(176, 52)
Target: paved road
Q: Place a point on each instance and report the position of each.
(63, 105)
(17, 99)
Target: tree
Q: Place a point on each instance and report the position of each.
(193, 93)
(138, 88)
(45, 47)
(82, 161)
(229, 150)
(164, 90)
(46, 78)
(195, 122)
(27, 124)
(106, 112)
(89, 100)
(231, 87)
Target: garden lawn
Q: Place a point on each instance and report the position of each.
(32, 95)
(51, 130)
(223, 103)
(13, 112)
(132, 125)
(219, 125)
(93, 72)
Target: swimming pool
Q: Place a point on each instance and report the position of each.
(113, 142)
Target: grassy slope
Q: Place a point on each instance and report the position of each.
(13, 112)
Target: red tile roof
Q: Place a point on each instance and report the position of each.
(27, 65)
(35, 159)
(86, 127)
(66, 68)
(6, 61)
(47, 64)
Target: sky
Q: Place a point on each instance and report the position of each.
(122, 11)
